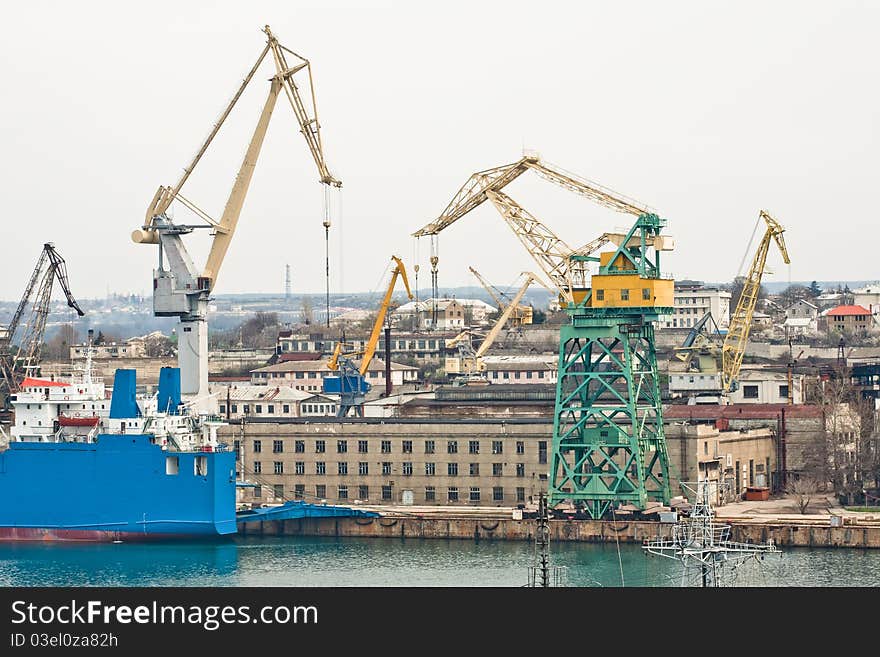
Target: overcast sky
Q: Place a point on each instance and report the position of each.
(706, 111)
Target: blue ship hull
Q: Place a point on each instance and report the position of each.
(121, 487)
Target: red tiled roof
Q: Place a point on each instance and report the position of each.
(849, 310)
(738, 411)
(42, 383)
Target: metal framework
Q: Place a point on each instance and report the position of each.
(608, 442)
(703, 546)
(734, 346)
(25, 361)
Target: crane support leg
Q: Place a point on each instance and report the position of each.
(608, 443)
(192, 347)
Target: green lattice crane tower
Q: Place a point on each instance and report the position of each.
(608, 442)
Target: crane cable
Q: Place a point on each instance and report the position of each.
(748, 247)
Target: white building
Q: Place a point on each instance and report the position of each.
(869, 297)
(253, 401)
(308, 375)
(694, 301)
(451, 314)
(801, 318)
(759, 386)
(131, 348)
(538, 368)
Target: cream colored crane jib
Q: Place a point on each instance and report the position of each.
(734, 346)
(182, 290)
(475, 364)
(370, 348)
(550, 252)
(522, 314)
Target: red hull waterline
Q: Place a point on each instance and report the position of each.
(44, 535)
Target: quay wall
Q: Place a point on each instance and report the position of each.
(785, 534)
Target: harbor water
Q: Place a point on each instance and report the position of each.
(355, 562)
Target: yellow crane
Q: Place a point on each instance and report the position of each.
(521, 315)
(472, 363)
(554, 256)
(734, 346)
(180, 289)
(352, 385)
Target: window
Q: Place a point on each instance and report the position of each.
(646, 294)
(475, 469)
(430, 494)
(320, 467)
(407, 447)
(285, 409)
(705, 447)
(386, 492)
(497, 494)
(783, 391)
(258, 467)
(386, 467)
(320, 446)
(363, 468)
(320, 491)
(474, 447)
(600, 295)
(474, 494)
(342, 492)
(386, 446)
(172, 465)
(222, 409)
(430, 469)
(452, 469)
(452, 447)
(624, 295)
(299, 446)
(258, 446)
(247, 408)
(452, 493)
(542, 451)
(363, 492)
(429, 447)
(520, 447)
(407, 468)
(277, 446)
(299, 491)
(234, 408)
(300, 467)
(278, 490)
(497, 469)
(363, 447)
(270, 408)
(279, 467)
(520, 494)
(750, 392)
(341, 446)
(342, 467)
(497, 447)
(520, 469)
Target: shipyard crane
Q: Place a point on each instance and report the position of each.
(180, 289)
(22, 360)
(609, 446)
(734, 346)
(352, 385)
(701, 338)
(472, 363)
(552, 254)
(522, 314)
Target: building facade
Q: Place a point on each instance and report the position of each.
(692, 301)
(309, 375)
(422, 347)
(277, 402)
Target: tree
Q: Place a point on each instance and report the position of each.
(802, 490)
(815, 290)
(794, 293)
(736, 289)
(157, 346)
(308, 313)
(538, 316)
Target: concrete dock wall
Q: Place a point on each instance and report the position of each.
(588, 531)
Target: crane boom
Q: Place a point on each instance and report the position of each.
(491, 289)
(493, 333)
(181, 289)
(733, 349)
(370, 349)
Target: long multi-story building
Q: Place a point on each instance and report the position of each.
(426, 347)
(693, 300)
(309, 375)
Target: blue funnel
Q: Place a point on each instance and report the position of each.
(169, 390)
(123, 403)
